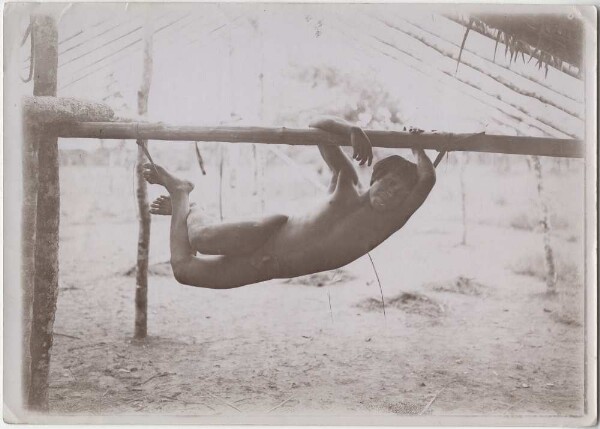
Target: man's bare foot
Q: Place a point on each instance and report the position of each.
(162, 206)
(159, 176)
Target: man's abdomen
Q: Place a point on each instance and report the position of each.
(325, 244)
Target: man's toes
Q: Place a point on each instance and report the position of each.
(150, 178)
(162, 203)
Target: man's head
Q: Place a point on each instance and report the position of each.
(392, 181)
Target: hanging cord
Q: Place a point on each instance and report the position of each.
(144, 145)
(330, 309)
(29, 33)
(439, 157)
(379, 282)
(133, 176)
(443, 152)
(200, 160)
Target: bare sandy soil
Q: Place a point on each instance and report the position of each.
(468, 329)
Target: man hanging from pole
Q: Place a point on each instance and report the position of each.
(347, 225)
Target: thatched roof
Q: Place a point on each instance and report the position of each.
(559, 35)
(552, 39)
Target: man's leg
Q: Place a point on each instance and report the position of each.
(179, 191)
(231, 239)
(221, 272)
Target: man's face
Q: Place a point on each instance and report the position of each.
(389, 192)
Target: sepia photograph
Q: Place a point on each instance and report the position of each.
(300, 213)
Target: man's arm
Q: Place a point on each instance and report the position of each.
(335, 157)
(425, 182)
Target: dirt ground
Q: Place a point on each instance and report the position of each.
(467, 330)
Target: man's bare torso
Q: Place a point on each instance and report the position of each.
(336, 232)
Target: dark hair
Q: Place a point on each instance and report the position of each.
(395, 164)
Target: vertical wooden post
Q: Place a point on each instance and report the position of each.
(141, 279)
(545, 223)
(255, 169)
(28, 220)
(221, 167)
(260, 159)
(45, 253)
(463, 195)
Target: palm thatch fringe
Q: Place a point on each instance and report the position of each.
(562, 52)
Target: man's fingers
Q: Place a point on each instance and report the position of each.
(361, 144)
(369, 154)
(353, 143)
(363, 154)
(358, 147)
(368, 150)
(369, 147)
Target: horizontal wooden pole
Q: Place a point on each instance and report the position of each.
(519, 145)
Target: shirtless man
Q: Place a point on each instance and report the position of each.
(345, 227)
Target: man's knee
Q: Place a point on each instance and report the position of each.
(198, 273)
(180, 269)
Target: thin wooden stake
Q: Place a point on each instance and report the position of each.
(255, 166)
(143, 249)
(221, 166)
(463, 195)
(545, 223)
